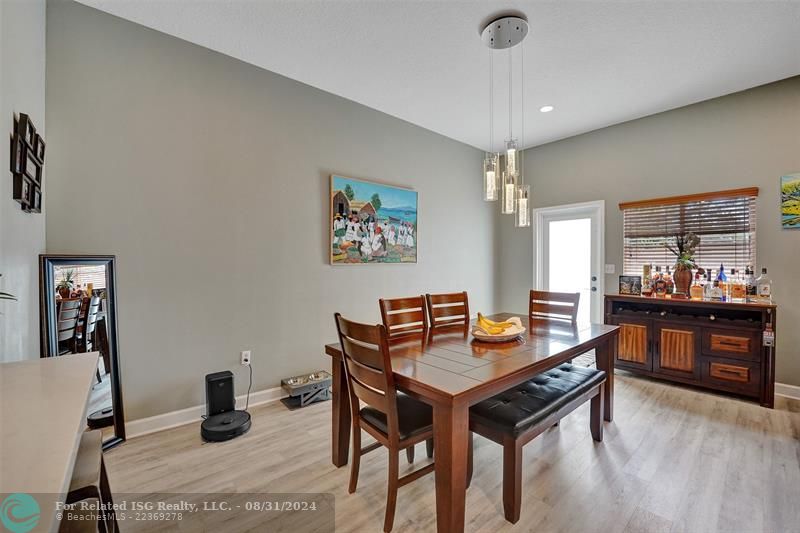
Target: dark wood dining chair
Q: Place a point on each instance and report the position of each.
(395, 420)
(448, 309)
(89, 320)
(67, 324)
(403, 316)
(90, 480)
(559, 307)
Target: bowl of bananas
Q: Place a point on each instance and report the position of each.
(490, 331)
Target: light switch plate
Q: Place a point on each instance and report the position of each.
(610, 269)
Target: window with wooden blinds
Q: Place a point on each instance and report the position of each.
(725, 221)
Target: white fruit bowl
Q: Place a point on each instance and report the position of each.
(509, 334)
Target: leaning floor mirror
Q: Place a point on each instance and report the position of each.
(78, 314)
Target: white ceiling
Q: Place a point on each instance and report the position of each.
(599, 63)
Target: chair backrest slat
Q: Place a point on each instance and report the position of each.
(556, 306)
(367, 394)
(368, 367)
(367, 375)
(404, 315)
(91, 314)
(364, 354)
(68, 314)
(448, 309)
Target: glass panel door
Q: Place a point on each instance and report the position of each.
(569, 254)
(569, 260)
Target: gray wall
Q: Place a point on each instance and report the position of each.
(745, 139)
(22, 237)
(209, 179)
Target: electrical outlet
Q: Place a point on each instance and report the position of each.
(245, 357)
(611, 268)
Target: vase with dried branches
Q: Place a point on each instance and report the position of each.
(684, 247)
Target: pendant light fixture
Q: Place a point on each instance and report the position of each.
(490, 171)
(522, 217)
(505, 33)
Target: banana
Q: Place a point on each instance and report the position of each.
(491, 327)
(500, 324)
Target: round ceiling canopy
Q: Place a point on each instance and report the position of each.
(505, 32)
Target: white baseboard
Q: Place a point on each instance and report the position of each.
(789, 391)
(145, 426)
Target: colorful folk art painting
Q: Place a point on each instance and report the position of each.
(372, 223)
(790, 201)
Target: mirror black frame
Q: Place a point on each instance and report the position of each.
(47, 324)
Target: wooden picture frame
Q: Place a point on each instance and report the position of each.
(26, 162)
(38, 149)
(36, 201)
(31, 167)
(22, 190)
(630, 285)
(17, 151)
(26, 130)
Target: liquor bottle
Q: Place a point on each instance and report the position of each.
(722, 280)
(738, 287)
(696, 290)
(669, 281)
(708, 285)
(659, 284)
(647, 280)
(716, 293)
(750, 284)
(764, 287)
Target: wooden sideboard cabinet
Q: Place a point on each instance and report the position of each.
(716, 345)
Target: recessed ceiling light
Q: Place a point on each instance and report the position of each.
(546, 108)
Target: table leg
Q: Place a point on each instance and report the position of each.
(451, 436)
(340, 427)
(604, 356)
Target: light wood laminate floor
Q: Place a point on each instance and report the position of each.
(674, 459)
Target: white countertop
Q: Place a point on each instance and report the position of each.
(42, 415)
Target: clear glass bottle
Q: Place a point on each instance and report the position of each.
(669, 281)
(696, 290)
(764, 287)
(738, 287)
(750, 282)
(716, 294)
(708, 285)
(647, 279)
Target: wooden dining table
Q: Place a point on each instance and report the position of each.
(451, 370)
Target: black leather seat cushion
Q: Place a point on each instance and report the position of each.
(413, 416)
(521, 407)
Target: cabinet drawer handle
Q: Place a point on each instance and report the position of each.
(734, 344)
(734, 372)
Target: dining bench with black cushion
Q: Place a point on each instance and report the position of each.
(518, 415)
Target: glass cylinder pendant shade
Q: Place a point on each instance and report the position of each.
(522, 217)
(511, 157)
(508, 194)
(490, 192)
